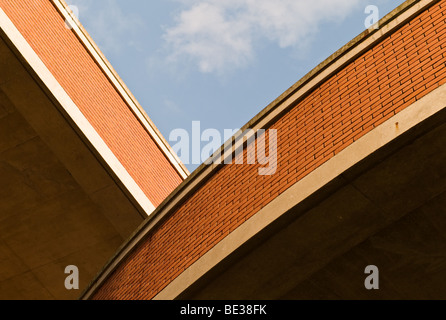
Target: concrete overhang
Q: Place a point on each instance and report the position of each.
(64, 198)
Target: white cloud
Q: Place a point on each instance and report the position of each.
(207, 34)
(222, 34)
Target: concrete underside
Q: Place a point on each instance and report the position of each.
(59, 203)
(389, 211)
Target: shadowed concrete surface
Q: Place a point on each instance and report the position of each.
(388, 211)
(59, 205)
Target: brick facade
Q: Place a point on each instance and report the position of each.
(397, 71)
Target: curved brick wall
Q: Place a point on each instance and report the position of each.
(398, 70)
(65, 56)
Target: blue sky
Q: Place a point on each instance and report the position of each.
(219, 62)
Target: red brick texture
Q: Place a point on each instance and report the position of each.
(396, 72)
(384, 80)
(89, 88)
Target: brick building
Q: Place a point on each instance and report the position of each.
(360, 179)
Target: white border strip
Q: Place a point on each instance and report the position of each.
(73, 112)
(397, 125)
(106, 68)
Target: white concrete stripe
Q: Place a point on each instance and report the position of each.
(73, 112)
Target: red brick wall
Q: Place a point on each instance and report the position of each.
(83, 80)
(384, 80)
(387, 78)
